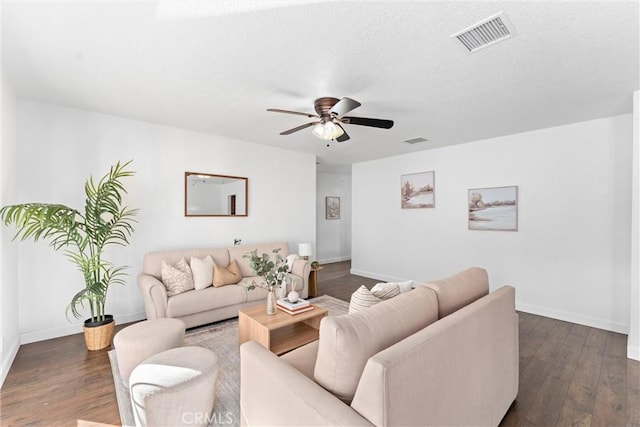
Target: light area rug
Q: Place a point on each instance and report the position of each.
(221, 338)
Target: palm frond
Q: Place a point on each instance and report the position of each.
(57, 223)
(103, 210)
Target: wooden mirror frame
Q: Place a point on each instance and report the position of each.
(228, 206)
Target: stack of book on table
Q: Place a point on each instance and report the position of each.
(300, 306)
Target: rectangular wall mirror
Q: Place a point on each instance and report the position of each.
(207, 194)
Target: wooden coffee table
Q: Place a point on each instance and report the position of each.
(280, 332)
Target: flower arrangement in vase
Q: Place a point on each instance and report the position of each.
(275, 274)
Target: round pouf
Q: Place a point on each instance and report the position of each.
(141, 340)
(175, 388)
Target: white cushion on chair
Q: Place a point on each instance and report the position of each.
(176, 387)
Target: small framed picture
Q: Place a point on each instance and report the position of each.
(417, 190)
(493, 208)
(332, 207)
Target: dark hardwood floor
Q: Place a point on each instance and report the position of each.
(570, 375)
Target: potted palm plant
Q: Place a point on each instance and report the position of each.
(84, 236)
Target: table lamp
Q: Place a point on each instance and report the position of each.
(304, 250)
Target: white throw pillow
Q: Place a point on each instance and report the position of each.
(202, 270)
(405, 286)
(290, 260)
(364, 298)
(176, 278)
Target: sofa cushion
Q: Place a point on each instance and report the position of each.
(364, 298)
(207, 299)
(202, 270)
(460, 289)
(303, 358)
(177, 278)
(348, 341)
(226, 276)
(237, 253)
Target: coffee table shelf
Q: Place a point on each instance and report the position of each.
(280, 332)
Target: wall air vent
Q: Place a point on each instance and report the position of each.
(485, 33)
(416, 140)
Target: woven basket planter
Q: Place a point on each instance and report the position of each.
(98, 335)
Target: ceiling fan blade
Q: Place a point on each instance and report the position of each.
(296, 129)
(365, 121)
(277, 110)
(344, 106)
(344, 136)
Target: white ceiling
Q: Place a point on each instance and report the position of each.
(216, 66)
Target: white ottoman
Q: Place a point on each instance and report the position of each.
(175, 388)
(137, 342)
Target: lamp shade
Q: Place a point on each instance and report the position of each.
(304, 249)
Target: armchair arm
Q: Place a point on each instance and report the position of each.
(298, 401)
(154, 295)
(301, 267)
(480, 345)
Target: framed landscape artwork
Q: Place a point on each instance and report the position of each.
(332, 207)
(493, 208)
(417, 190)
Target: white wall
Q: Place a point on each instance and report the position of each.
(570, 258)
(633, 343)
(9, 335)
(334, 235)
(60, 147)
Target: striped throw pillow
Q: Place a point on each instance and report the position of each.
(363, 298)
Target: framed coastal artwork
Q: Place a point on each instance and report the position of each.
(493, 208)
(417, 190)
(332, 207)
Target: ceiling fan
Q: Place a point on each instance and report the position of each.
(330, 118)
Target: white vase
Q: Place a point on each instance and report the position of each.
(271, 302)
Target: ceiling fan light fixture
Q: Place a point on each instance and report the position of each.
(318, 130)
(327, 131)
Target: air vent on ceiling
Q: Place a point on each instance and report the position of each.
(416, 140)
(486, 32)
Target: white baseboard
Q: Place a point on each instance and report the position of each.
(75, 328)
(633, 353)
(47, 334)
(335, 259)
(594, 322)
(8, 355)
(580, 319)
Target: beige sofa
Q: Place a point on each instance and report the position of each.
(445, 353)
(199, 307)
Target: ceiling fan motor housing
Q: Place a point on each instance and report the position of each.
(323, 106)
